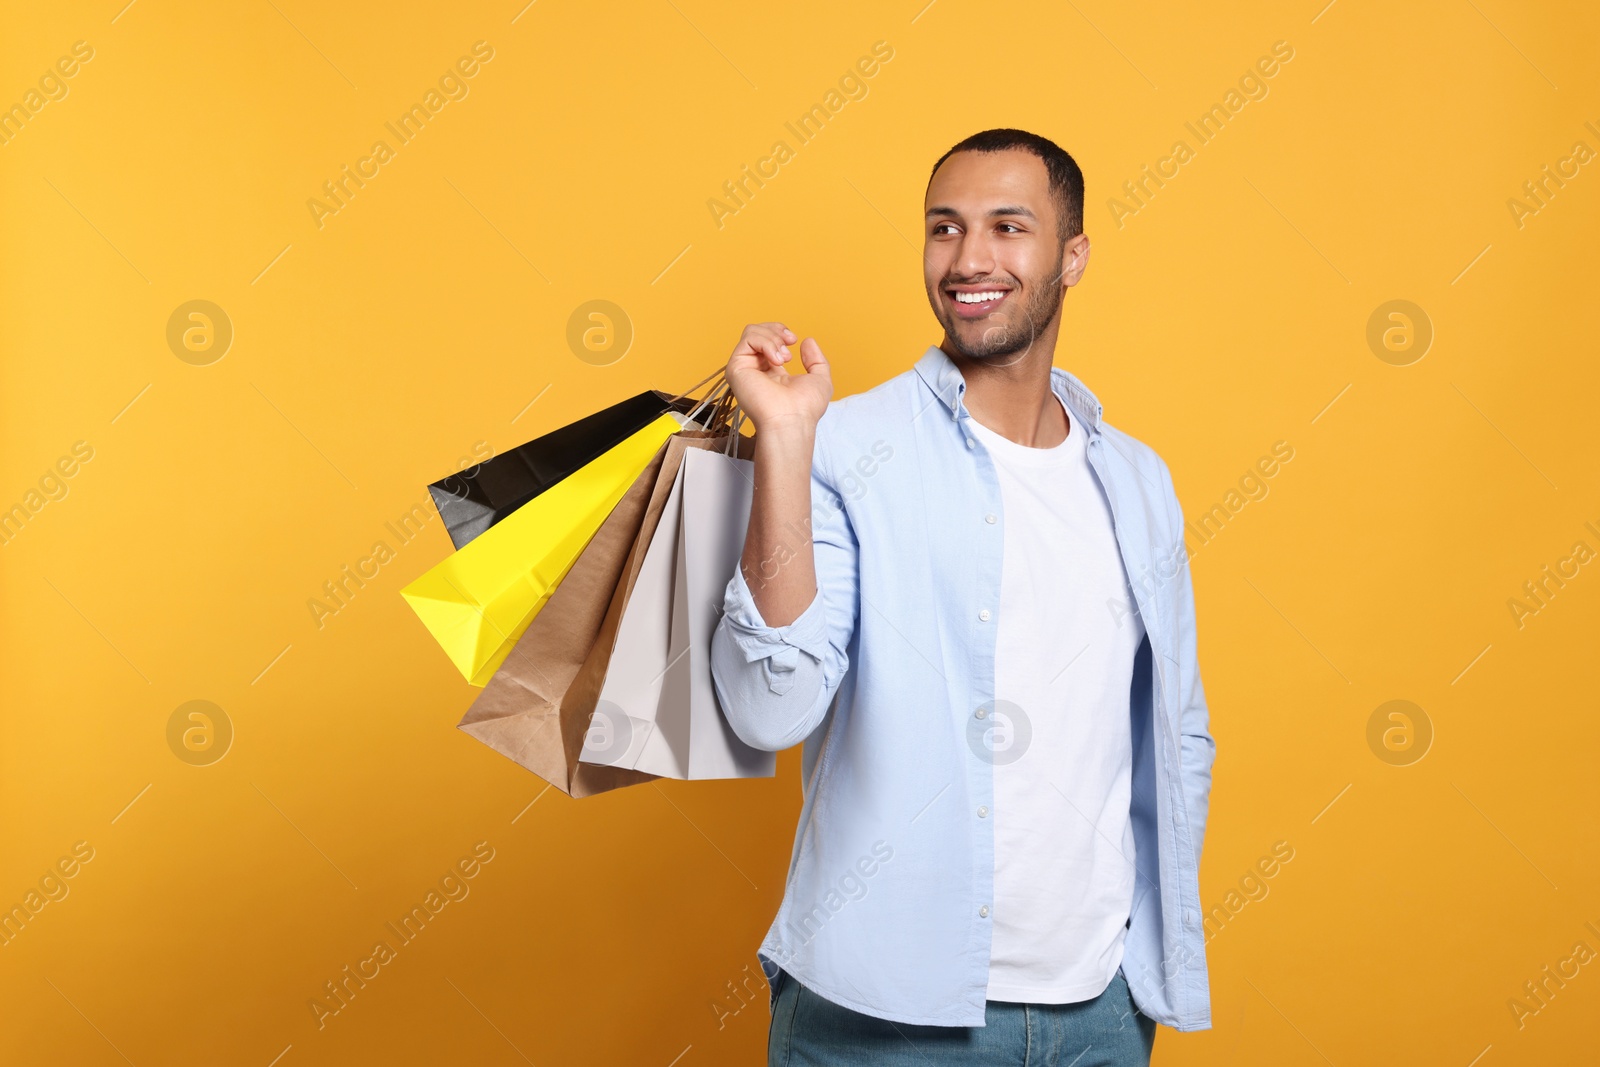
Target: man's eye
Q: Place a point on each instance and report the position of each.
(1013, 225)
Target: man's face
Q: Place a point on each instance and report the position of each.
(990, 228)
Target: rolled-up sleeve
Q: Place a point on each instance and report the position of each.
(774, 683)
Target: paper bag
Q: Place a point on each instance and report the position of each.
(525, 712)
(536, 710)
(475, 499)
(658, 706)
(479, 600)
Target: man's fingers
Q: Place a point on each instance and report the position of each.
(762, 347)
(781, 336)
(768, 339)
(777, 350)
(812, 358)
(769, 343)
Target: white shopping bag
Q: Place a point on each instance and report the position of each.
(658, 710)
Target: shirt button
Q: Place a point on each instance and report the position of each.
(984, 614)
(971, 443)
(990, 519)
(981, 713)
(983, 812)
(984, 911)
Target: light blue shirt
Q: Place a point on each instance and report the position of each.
(887, 678)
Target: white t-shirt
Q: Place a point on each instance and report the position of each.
(1062, 743)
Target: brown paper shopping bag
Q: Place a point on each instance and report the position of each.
(520, 712)
(658, 686)
(537, 708)
(609, 726)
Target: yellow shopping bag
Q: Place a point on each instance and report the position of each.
(477, 602)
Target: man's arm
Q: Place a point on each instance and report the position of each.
(774, 608)
(1198, 748)
(775, 683)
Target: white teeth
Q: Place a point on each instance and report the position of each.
(977, 298)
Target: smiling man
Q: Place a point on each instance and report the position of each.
(968, 597)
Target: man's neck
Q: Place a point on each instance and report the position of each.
(1014, 399)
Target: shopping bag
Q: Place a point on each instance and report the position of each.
(472, 501)
(536, 710)
(658, 707)
(479, 600)
(528, 712)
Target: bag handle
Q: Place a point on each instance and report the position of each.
(714, 374)
(722, 407)
(715, 399)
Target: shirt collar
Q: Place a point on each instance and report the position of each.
(939, 371)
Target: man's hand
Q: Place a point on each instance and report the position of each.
(768, 394)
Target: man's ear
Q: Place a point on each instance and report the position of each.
(1074, 259)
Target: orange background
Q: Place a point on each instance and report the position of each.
(372, 354)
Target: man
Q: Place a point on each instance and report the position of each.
(969, 597)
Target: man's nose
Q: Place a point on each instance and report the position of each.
(976, 257)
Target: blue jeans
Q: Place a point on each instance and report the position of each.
(808, 1030)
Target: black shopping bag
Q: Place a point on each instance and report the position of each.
(475, 499)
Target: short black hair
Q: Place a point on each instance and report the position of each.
(1066, 179)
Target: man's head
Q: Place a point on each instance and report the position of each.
(1004, 214)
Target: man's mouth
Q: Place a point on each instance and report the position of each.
(975, 303)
